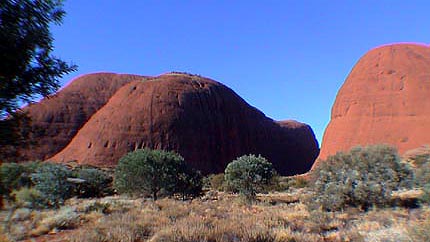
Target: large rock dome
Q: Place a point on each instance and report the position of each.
(203, 120)
(385, 99)
(56, 120)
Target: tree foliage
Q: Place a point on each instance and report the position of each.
(14, 133)
(27, 68)
(249, 174)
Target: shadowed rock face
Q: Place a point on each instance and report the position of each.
(203, 120)
(301, 140)
(385, 99)
(56, 120)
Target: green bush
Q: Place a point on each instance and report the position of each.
(283, 183)
(14, 176)
(298, 182)
(10, 177)
(148, 172)
(217, 182)
(362, 177)
(249, 174)
(189, 182)
(51, 180)
(419, 230)
(28, 197)
(420, 159)
(64, 218)
(422, 178)
(94, 183)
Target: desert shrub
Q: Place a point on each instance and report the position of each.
(217, 182)
(189, 182)
(14, 176)
(362, 177)
(97, 206)
(94, 183)
(10, 177)
(249, 174)
(283, 183)
(297, 182)
(425, 198)
(28, 197)
(419, 230)
(420, 159)
(148, 172)
(422, 174)
(51, 180)
(277, 184)
(64, 218)
(422, 180)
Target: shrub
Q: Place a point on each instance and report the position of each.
(249, 174)
(419, 230)
(51, 180)
(420, 159)
(422, 180)
(95, 183)
(28, 197)
(14, 176)
(363, 177)
(217, 182)
(283, 183)
(189, 182)
(298, 182)
(64, 218)
(10, 174)
(147, 172)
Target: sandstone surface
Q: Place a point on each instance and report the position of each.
(56, 120)
(385, 99)
(203, 120)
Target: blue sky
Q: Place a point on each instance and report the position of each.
(286, 58)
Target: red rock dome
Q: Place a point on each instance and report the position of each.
(203, 120)
(56, 120)
(385, 99)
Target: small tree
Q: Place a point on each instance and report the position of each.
(362, 177)
(249, 174)
(28, 69)
(147, 172)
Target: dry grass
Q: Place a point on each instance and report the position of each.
(277, 217)
(223, 217)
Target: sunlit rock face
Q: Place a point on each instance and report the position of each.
(201, 119)
(57, 119)
(385, 99)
